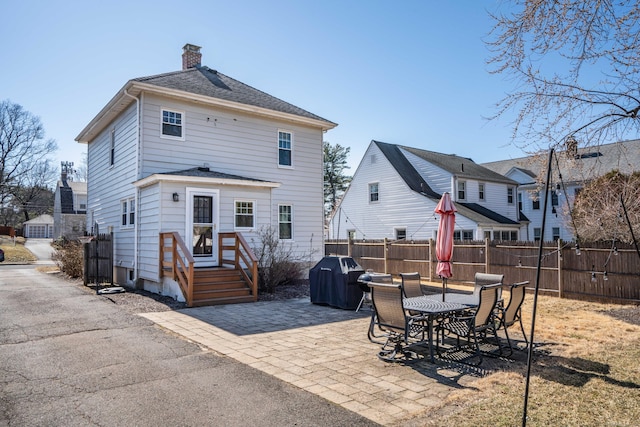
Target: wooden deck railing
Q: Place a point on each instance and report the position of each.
(177, 262)
(243, 259)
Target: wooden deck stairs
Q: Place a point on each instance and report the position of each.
(235, 280)
(219, 285)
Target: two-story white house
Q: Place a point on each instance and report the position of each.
(199, 153)
(571, 169)
(395, 190)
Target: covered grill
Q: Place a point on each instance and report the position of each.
(334, 281)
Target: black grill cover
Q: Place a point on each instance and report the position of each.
(334, 281)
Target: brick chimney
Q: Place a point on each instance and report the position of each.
(191, 56)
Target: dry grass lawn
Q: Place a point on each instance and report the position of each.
(585, 372)
(15, 252)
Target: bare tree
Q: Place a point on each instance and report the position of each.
(335, 180)
(32, 194)
(22, 147)
(575, 66)
(598, 214)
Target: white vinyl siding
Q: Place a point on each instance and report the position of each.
(243, 145)
(108, 185)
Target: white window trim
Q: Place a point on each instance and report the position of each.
(183, 125)
(130, 202)
(290, 149)
(396, 229)
(464, 184)
(369, 191)
(482, 193)
(254, 214)
(292, 222)
(112, 148)
(513, 195)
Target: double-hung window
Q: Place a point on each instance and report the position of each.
(285, 148)
(481, 191)
(244, 214)
(374, 196)
(172, 124)
(285, 222)
(536, 201)
(510, 195)
(128, 212)
(462, 190)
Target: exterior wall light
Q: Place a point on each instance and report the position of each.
(176, 197)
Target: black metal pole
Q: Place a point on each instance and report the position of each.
(635, 242)
(535, 294)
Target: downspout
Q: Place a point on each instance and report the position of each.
(137, 191)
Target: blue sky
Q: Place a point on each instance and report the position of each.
(409, 72)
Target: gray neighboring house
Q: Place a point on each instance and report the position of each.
(396, 188)
(576, 166)
(69, 208)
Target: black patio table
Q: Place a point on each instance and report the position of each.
(435, 308)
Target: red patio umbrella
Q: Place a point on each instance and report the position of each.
(444, 241)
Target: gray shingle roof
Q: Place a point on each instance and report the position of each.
(589, 163)
(460, 166)
(207, 82)
(203, 172)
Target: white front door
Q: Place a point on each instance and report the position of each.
(202, 226)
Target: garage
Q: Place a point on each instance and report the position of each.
(40, 227)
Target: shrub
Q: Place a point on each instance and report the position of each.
(69, 257)
(278, 261)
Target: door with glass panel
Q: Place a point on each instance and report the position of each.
(202, 231)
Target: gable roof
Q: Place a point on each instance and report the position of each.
(41, 219)
(462, 167)
(587, 163)
(203, 85)
(414, 180)
(406, 170)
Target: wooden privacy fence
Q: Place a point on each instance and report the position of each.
(602, 272)
(98, 260)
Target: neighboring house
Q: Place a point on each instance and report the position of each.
(198, 153)
(40, 227)
(573, 168)
(395, 190)
(69, 207)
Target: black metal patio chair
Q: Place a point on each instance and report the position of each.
(512, 313)
(475, 324)
(392, 319)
